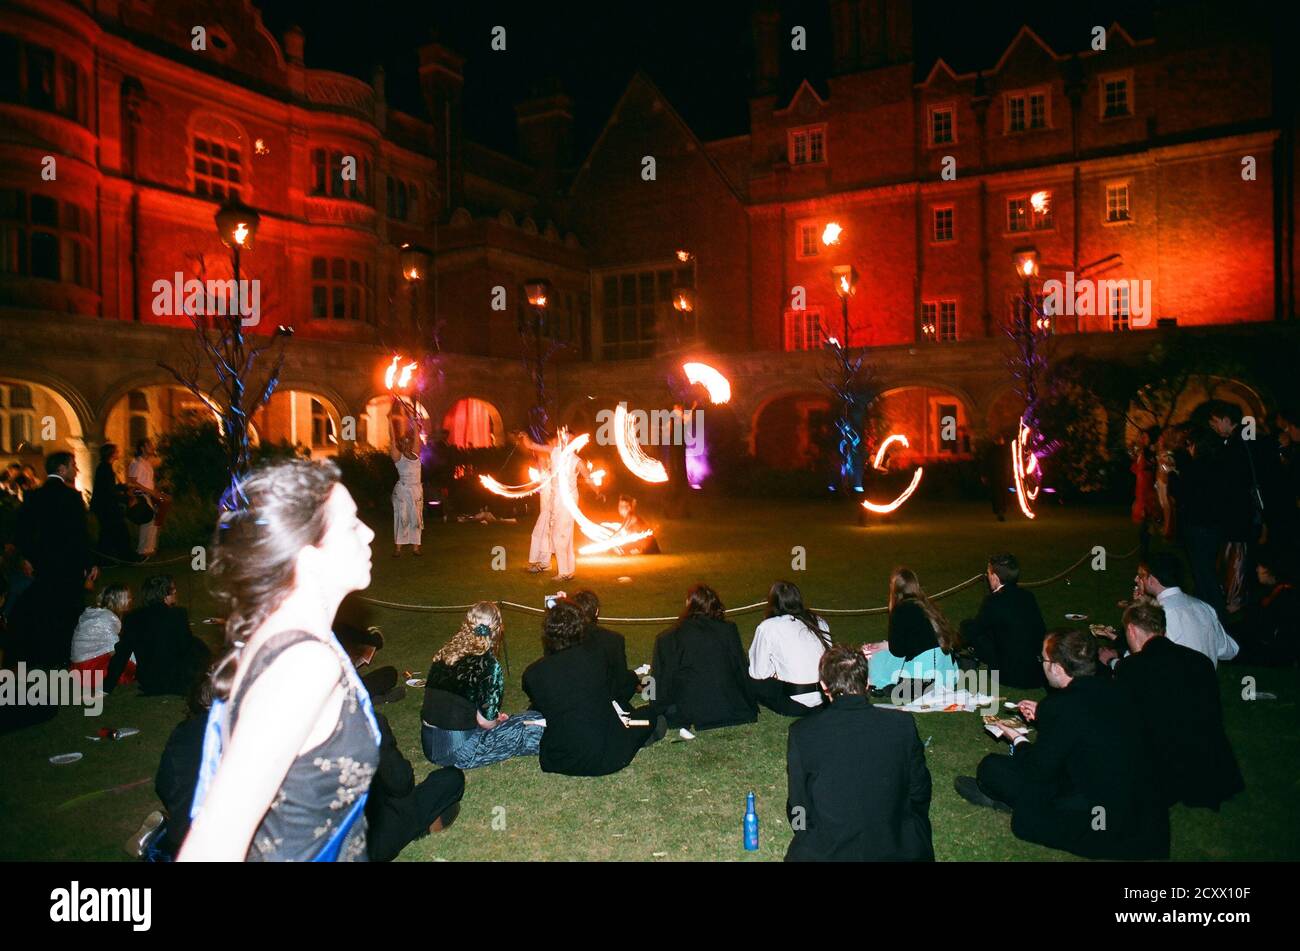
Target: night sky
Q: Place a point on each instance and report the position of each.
(699, 53)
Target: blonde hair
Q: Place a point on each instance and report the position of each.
(479, 633)
(115, 598)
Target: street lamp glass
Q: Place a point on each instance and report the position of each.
(538, 291)
(237, 225)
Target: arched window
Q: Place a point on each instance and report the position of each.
(322, 427)
(217, 156)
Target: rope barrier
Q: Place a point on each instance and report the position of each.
(745, 609)
(146, 561)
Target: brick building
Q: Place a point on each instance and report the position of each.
(119, 139)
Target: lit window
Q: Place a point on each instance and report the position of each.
(1023, 215)
(939, 321)
(943, 229)
(1119, 306)
(1117, 202)
(804, 329)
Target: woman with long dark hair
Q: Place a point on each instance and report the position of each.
(292, 741)
(699, 675)
(786, 652)
(922, 643)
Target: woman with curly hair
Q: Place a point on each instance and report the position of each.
(463, 724)
(584, 735)
(291, 742)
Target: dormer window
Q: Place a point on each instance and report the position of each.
(943, 125)
(808, 146)
(1116, 91)
(1027, 110)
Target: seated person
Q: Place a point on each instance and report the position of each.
(1008, 630)
(1188, 621)
(361, 644)
(1090, 755)
(399, 810)
(633, 524)
(463, 723)
(175, 781)
(922, 644)
(785, 652)
(612, 649)
(1177, 692)
(700, 675)
(168, 657)
(97, 633)
(584, 736)
(859, 788)
(1270, 626)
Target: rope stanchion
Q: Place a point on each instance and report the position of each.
(744, 609)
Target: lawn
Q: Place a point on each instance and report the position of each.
(678, 800)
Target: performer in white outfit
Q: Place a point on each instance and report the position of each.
(408, 494)
(140, 478)
(553, 532)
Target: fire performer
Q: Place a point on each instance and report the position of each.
(553, 532)
(634, 524)
(408, 494)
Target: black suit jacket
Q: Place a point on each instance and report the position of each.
(1090, 752)
(178, 775)
(51, 532)
(612, 651)
(859, 785)
(701, 669)
(1007, 634)
(583, 736)
(1176, 690)
(168, 656)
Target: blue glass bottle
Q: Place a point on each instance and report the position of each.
(751, 825)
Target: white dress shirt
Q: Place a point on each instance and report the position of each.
(1191, 622)
(783, 647)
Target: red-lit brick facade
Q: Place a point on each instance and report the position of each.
(1140, 150)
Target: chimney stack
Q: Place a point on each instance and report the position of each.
(442, 79)
(766, 26)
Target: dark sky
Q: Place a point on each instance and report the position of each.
(699, 53)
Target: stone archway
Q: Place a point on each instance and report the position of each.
(41, 415)
(937, 420)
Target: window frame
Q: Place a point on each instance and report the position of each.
(792, 136)
(1126, 75)
(1026, 95)
(815, 312)
(1106, 219)
(934, 109)
(934, 224)
(352, 293)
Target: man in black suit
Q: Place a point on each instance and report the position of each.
(51, 533)
(569, 687)
(859, 789)
(1176, 690)
(610, 648)
(1009, 628)
(399, 810)
(1087, 784)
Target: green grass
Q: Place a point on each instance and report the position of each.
(678, 800)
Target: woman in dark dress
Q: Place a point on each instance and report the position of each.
(106, 503)
(922, 643)
(292, 741)
(584, 735)
(700, 672)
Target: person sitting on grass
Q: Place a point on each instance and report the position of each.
(584, 734)
(633, 524)
(1270, 624)
(162, 834)
(399, 810)
(463, 723)
(785, 652)
(700, 673)
(1087, 785)
(361, 644)
(859, 788)
(922, 643)
(97, 634)
(168, 657)
(612, 649)
(1177, 692)
(1009, 628)
(1188, 621)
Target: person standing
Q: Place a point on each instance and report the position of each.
(553, 531)
(1147, 511)
(292, 741)
(52, 535)
(408, 493)
(858, 786)
(106, 503)
(140, 480)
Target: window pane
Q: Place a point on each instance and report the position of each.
(339, 269)
(337, 313)
(45, 255)
(45, 211)
(40, 77)
(355, 270)
(319, 302)
(318, 268)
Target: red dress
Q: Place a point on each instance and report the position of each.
(1146, 503)
(100, 663)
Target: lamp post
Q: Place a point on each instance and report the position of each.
(684, 304)
(1028, 322)
(538, 292)
(237, 227)
(846, 285)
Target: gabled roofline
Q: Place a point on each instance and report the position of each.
(795, 97)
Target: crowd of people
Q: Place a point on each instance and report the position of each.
(1130, 725)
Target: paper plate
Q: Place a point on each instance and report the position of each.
(625, 579)
(416, 682)
(64, 758)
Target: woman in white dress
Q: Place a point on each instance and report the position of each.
(408, 494)
(140, 478)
